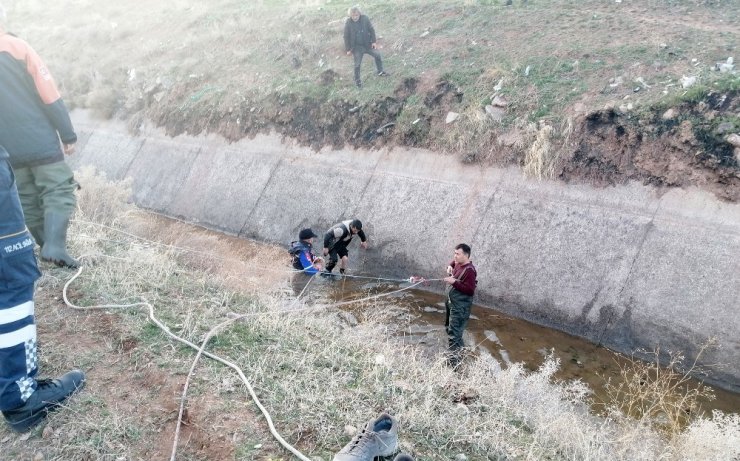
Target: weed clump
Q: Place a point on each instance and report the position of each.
(662, 396)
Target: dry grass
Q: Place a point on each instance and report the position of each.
(663, 396)
(313, 371)
(469, 136)
(540, 160)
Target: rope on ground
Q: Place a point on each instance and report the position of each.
(169, 333)
(201, 349)
(208, 337)
(187, 385)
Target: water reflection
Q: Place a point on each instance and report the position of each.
(507, 339)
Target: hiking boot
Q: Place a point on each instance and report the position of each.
(383, 73)
(378, 438)
(54, 248)
(403, 457)
(48, 396)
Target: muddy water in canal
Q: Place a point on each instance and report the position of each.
(509, 340)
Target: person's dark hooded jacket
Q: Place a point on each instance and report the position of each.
(358, 34)
(33, 117)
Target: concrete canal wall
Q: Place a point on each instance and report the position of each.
(625, 266)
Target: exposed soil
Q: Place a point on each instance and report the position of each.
(683, 147)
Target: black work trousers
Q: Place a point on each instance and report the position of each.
(358, 53)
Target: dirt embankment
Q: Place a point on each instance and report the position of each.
(666, 146)
(679, 146)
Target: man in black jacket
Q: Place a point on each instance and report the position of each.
(37, 132)
(359, 38)
(336, 241)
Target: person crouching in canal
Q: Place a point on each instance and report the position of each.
(304, 261)
(302, 255)
(461, 282)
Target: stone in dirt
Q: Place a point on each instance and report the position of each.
(451, 117)
(687, 82)
(670, 114)
(496, 113)
(499, 101)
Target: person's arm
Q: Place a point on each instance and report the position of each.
(54, 107)
(328, 239)
(308, 267)
(363, 239)
(347, 36)
(371, 30)
(449, 280)
(318, 263)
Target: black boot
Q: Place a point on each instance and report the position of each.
(330, 266)
(55, 240)
(49, 394)
(38, 234)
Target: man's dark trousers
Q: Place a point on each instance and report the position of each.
(358, 52)
(458, 312)
(337, 252)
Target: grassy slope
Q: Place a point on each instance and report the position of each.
(206, 65)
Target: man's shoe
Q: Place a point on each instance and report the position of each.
(454, 361)
(48, 396)
(358, 84)
(383, 73)
(403, 457)
(330, 276)
(378, 438)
